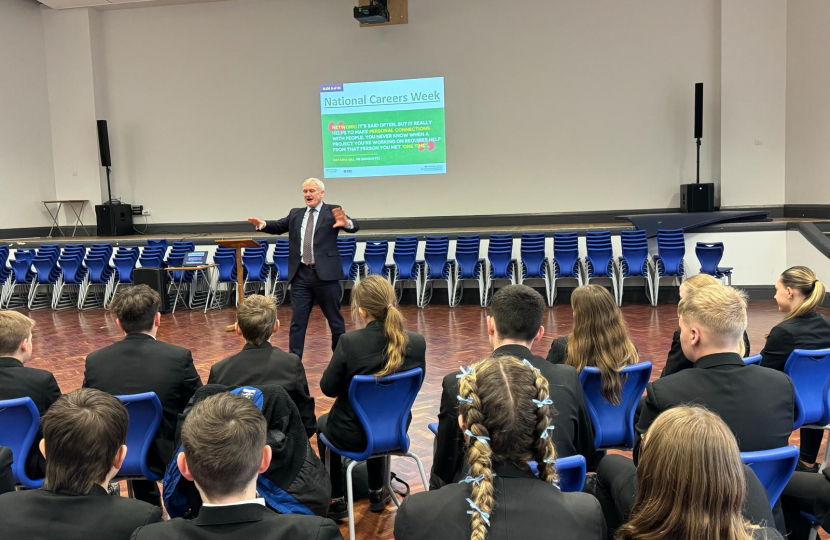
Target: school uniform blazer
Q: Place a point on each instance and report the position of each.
(326, 256)
(526, 508)
(258, 365)
(677, 361)
(140, 364)
(360, 353)
(573, 433)
(41, 514)
(756, 403)
(243, 522)
(810, 331)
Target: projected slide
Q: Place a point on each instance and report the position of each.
(383, 128)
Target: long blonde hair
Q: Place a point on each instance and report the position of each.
(804, 280)
(690, 481)
(697, 282)
(497, 403)
(376, 296)
(600, 338)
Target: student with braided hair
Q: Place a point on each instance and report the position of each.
(505, 408)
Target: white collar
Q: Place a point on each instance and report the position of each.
(257, 500)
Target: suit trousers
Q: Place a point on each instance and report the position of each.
(810, 443)
(805, 492)
(306, 290)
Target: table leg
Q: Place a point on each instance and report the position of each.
(78, 216)
(178, 290)
(54, 219)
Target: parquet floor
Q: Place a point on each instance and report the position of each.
(454, 337)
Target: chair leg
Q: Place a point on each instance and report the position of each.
(350, 498)
(389, 481)
(420, 469)
(826, 451)
(130, 489)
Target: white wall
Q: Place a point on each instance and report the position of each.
(26, 175)
(561, 106)
(808, 102)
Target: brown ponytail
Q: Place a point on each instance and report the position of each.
(805, 281)
(376, 296)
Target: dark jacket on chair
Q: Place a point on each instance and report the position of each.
(810, 331)
(6, 475)
(43, 514)
(526, 508)
(326, 255)
(573, 435)
(360, 353)
(258, 365)
(677, 361)
(243, 522)
(140, 364)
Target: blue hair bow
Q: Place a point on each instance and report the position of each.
(480, 438)
(469, 479)
(544, 434)
(484, 515)
(550, 461)
(531, 366)
(465, 400)
(465, 370)
(546, 401)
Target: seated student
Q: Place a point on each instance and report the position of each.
(676, 361)
(798, 293)
(18, 381)
(139, 363)
(599, 339)
(505, 409)
(513, 326)
(382, 348)
(223, 438)
(809, 493)
(83, 441)
(261, 363)
(692, 484)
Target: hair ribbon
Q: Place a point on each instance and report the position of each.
(546, 401)
(465, 370)
(465, 400)
(479, 438)
(474, 508)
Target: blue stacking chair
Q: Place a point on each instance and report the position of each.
(152, 256)
(533, 263)
(257, 270)
(279, 270)
(635, 262)
(709, 254)
(375, 254)
(347, 248)
(19, 421)
(124, 263)
(21, 279)
(225, 259)
(599, 260)
(436, 266)
(810, 373)
(145, 413)
(99, 277)
(47, 274)
(614, 424)
(383, 407)
(5, 272)
(500, 263)
(73, 275)
(406, 266)
(669, 263)
(774, 468)
(468, 265)
(755, 359)
(160, 243)
(566, 262)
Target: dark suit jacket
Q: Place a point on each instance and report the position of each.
(573, 435)
(360, 353)
(43, 514)
(677, 361)
(265, 364)
(245, 522)
(326, 256)
(811, 331)
(140, 364)
(6, 476)
(756, 403)
(526, 508)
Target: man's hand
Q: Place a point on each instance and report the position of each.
(340, 219)
(256, 222)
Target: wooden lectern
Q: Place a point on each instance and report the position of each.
(238, 244)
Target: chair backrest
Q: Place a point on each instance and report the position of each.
(570, 470)
(614, 424)
(709, 255)
(810, 373)
(755, 359)
(145, 417)
(383, 407)
(19, 421)
(436, 252)
(566, 254)
(404, 253)
(374, 255)
(774, 468)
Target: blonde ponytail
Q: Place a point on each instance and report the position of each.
(805, 281)
(376, 296)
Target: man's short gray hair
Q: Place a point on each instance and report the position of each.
(317, 182)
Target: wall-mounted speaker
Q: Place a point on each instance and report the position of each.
(104, 144)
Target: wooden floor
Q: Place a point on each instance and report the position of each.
(454, 337)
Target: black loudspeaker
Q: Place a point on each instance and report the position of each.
(698, 110)
(114, 219)
(697, 198)
(156, 279)
(104, 143)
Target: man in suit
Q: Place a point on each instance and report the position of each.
(261, 363)
(139, 363)
(514, 326)
(224, 442)
(84, 434)
(314, 268)
(18, 381)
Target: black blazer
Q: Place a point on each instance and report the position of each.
(326, 257)
(6, 475)
(46, 515)
(360, 353)
(245, 522)
(756, 403)
(257, 365)
(677, 361)
(140, 364)
(526, 507)
(558, 350)
(574, 433)
(810, 331)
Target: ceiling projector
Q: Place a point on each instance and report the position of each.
(374, 13)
